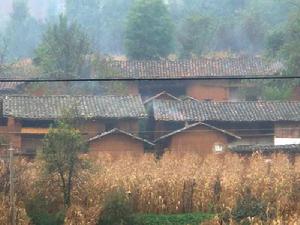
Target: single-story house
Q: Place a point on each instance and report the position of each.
(25, 119)
(198, 137)
(257, 123)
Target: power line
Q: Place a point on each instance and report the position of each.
(43, 80)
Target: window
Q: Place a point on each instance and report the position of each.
(218, 147)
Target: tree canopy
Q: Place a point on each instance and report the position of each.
(149, 30)
(63, 50)
(60, 152)
(22, 32)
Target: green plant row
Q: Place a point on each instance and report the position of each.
(174, 219)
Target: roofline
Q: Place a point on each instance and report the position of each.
(260, 148)
(160, 94)
(194, 125)
(116, 130)
(77, 117)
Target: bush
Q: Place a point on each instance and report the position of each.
(117, 210)
(42, 213)
(178, 219)
(248, 206)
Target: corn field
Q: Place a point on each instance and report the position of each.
(159, 186)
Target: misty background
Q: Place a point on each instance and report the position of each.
(238, 26)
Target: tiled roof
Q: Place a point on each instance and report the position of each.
(168, 110)
(195, 68)
(10, 86)
(265, 148)
(53, 107)
(118, 131)
(194, 125)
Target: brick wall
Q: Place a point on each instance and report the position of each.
(208, 91)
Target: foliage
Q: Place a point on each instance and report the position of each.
(268, 90)
(22, 32)
(117, 209)
(63, 50)
(149, 30)
(196, 34)
(176, 219)
(291, 47)
(248, 206)
(60, 153)
(275, 41)
(42, 213)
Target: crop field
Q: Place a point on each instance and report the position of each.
(234, 190)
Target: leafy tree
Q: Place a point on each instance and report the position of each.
(63, 50)
(22, 32)
(275, 41)
(60, 152)
(195, 35)
(291, 48)
(254, 32)
(3, 49)
(149, 30)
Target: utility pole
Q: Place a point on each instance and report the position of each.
(12, 187)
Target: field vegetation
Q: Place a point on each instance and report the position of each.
(230, 189)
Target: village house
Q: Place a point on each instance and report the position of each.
(26, 120)
(198, 137)
(176, 71)
(256, 123)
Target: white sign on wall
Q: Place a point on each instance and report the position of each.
(286, 141)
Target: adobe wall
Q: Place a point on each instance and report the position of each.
(133, 88)
(198, 139)
(116, 144)
(131, 126)
(287, 133)
(208, 91)
(296, 94)
(91, 128)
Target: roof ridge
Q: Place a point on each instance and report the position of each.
(233, 102)
(114, 130)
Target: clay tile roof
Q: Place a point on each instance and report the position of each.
(168, 110)
(118, 131)
(53, 107)
(265, 148)
(195, 68)
(10, 86)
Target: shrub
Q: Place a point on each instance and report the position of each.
(177, 219)
(248, 206)
(117, 209)
(42, 213)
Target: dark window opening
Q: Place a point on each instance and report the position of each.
(3, 121)
(40, 124)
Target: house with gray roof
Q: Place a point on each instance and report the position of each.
(256, 123)
(28, 118)
(186, 77)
